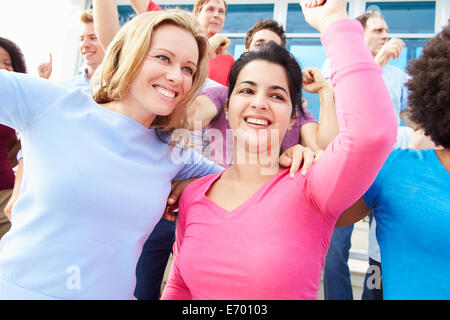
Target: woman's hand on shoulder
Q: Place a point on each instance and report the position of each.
(296, 155)
(178, 187)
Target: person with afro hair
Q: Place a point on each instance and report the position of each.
(411, 196)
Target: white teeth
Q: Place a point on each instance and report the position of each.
(165, 92)
(257, 121)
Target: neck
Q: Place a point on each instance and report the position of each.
(90, 72)
(125, 107)
(255, 166)
(444, 157)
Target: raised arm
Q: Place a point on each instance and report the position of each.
(328, 129)
(366, 119)
(106, 20)
(201, 111)
(139, 6)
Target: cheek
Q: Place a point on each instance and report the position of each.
(187, 84)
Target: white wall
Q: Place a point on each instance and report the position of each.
(43, 27)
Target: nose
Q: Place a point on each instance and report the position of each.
(260, 102)
(174, 74)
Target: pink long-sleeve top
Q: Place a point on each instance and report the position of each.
(273, 246)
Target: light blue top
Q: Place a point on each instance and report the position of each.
(95, 184)
(411, 201)
(395, 80)
(79, 81)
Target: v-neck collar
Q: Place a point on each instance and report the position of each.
(217, 209)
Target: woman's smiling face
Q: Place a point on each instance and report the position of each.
(166, 75)
(260, 105)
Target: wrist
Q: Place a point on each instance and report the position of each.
(327, 21)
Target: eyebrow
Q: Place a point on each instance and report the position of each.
(274, 87)
(173, 55)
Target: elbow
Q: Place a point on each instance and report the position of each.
(383, 134)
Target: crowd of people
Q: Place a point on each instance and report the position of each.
(164, 144)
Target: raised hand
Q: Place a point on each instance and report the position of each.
(390, 50)
(218, 45)
(321, 13)
(45, 69)
(313, 80)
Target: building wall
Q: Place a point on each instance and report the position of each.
(413, 21)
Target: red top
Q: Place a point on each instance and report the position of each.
(6, 172)
(219, 68)
(153, 6)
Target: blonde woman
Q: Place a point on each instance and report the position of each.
(99, 168)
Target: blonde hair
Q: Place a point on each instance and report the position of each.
(129, 49)
(87, 16)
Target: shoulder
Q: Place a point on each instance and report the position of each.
(196, 189)
(217, 95)
(219, 90)
(394, 71)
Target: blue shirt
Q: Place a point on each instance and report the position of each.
(411, 202)
(95, 184)
(79, 81)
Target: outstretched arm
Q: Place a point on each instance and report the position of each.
(106, 20)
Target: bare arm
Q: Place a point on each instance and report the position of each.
(356, 212)
(390, 50)
(106, 20)
(140, 6)
(203, 110)
(328, 129)
(16, 190)
(308, 135)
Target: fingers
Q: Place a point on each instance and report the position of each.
(286, 159)
(169, 215)
(297, 156)
(317, 155)
(308, 160)
(177, 189)
(396, 47)
(312, 3)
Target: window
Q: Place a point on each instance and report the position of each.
(295, 22)
(407, 17)
(406, 20)
(241, 17)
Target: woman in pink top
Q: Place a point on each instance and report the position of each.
(252, 232)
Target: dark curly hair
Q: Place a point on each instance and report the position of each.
(429, 88)
(17, 59)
